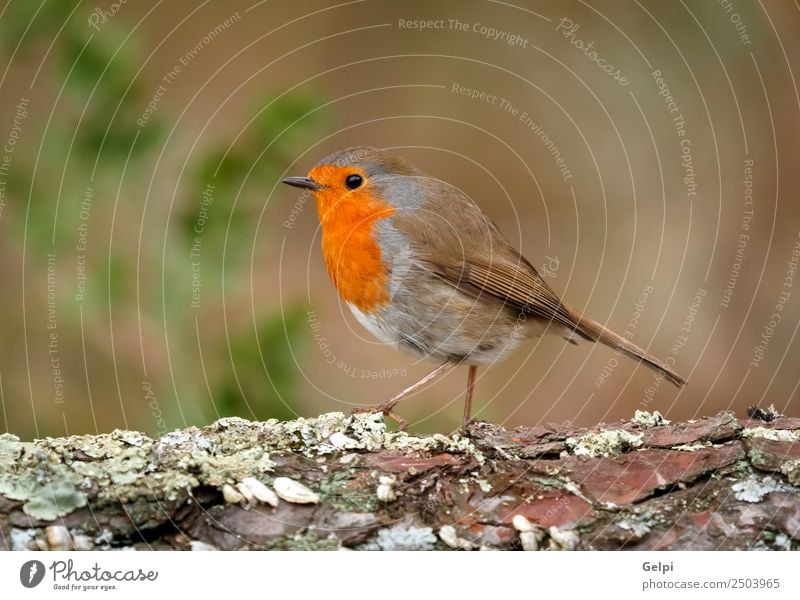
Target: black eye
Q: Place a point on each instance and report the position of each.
(353, 181)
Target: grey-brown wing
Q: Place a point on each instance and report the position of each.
(460, 244)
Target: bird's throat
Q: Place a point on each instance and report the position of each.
(351, 250)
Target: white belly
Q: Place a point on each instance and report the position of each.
(375, 325)
(454, 345)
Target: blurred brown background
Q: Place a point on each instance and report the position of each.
(155, 273)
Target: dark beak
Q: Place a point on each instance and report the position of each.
(303, 182)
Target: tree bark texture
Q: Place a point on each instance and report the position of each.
(345, 482)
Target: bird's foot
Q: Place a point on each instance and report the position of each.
(466, 426)
(387, 409)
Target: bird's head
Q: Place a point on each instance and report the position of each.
(360, 179)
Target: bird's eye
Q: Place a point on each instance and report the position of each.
(353, 181)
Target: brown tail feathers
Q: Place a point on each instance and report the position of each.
(594, 331)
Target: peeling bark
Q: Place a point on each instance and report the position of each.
(714, 483)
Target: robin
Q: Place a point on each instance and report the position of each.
(425, 270)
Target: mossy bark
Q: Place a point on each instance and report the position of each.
(714, 483)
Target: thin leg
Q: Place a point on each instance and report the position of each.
(473, 371)
(387, 407)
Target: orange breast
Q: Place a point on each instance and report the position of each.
(349, 246)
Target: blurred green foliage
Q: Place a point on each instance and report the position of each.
(248, 166)
(28, 21)
(92, 142)
(269, 350)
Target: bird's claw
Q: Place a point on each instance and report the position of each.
(387, 410)
(466, 425)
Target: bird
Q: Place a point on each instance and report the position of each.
(425, 270)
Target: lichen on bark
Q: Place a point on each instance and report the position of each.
(348, 482)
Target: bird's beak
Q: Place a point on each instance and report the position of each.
(303, 182)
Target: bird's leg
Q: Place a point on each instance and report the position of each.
(473, 371)
(387, 407)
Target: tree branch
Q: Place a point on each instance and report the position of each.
(716, 483)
